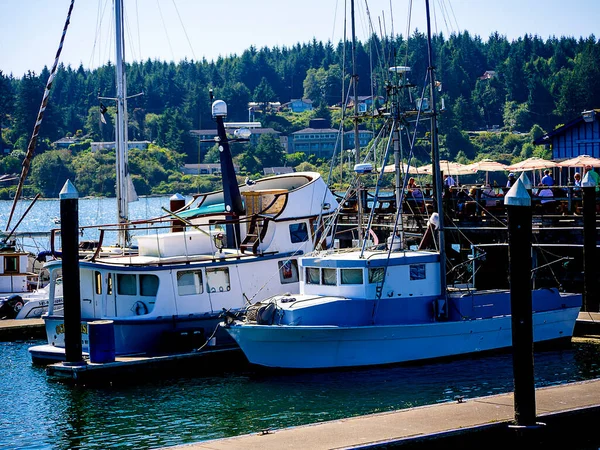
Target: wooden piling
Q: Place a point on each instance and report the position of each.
(591, 302)
(69, 220)
(519, 211)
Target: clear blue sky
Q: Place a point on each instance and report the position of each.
(31, 29)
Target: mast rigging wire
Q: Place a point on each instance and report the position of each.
(38, 123)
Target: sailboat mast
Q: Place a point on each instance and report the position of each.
(121, 138)
(356, 134)
(435, 157)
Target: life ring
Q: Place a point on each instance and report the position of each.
(140, 308)
(16, 302)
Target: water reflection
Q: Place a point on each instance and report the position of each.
(165, 412)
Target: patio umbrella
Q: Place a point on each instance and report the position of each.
(580, 161)
(391, 168)
(532, 163)
(449, 168)
(487, 165)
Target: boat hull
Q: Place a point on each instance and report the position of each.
(318, 347)
(135, 337)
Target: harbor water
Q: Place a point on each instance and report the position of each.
(40, 413)
(151, 412)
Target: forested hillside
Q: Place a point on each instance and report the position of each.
(535, 84)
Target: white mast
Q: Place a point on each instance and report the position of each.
(122, 167)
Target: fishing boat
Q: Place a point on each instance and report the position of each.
(221, 252)
(368, 307)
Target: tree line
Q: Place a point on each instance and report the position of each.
(534, 85)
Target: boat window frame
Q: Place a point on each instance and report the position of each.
(288, 274)
(121, 284)
(379, 271)
(198, 282)
(215, 270)
(352, 269)
(417, 271)
(11, 268)
(308, 279)
(153, 289)
(328, 270)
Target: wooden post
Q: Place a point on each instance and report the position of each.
(69, 228)
(590, 297)
(518, 206)
(176, 202)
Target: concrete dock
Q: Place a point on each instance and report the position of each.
(13, 330)
(570, 413)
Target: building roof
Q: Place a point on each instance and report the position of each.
(547, 138)
(316, 130)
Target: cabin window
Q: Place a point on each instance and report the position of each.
(98, 282)
(11, 264)
(376, 275)
(417, 272)
(298, 232)
(313, 276)
(218, 280)
(126, 284)
(148, 285)
(288, 271)
(189, 282)
(109, 290)
(329, 277)
(351, 276)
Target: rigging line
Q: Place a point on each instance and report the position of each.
(99, 18)
(184, 30)
(444, 13)
(334, 20)
(166, 31)
(38, 123)
(408, 25)
(130, 39)
(137, 21)
(452, 11)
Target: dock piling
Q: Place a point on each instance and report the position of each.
(519, 212)
(69, 220)
(591, 303)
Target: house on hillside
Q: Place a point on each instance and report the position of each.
(207, 137)
(365, 102)
(315, 141)
(141, 145)
(488, 75)
(298, 105)
(580, 136)
(205, 169)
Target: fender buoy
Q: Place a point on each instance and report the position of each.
(140, 308)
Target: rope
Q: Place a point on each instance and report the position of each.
(38, 122)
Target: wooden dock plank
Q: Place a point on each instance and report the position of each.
(11, 329)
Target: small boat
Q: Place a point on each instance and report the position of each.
(31, 305)
(339, 320)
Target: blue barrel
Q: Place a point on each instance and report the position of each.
(102, 341)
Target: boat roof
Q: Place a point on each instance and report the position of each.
(369, 259)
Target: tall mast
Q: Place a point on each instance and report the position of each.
(435, 157)
(356, 134)
(122, 168)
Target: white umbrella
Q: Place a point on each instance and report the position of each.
(532, 163)
(449, 168)
(580, 161)
(487, 165)
(391, 168)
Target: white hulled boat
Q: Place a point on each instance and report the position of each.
(224, 251)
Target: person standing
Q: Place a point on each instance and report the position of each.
(511, 180)
(449, 181)
(547, 178)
